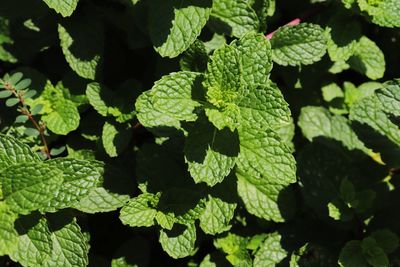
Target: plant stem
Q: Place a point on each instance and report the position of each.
(296, 21)
(25, 111)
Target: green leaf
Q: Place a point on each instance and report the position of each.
(373, 254)
(216, 216)
(140, 212)
(390, 97)
(386, 239)
(5, 93)
(64, 118)
(174, 25)
(79, 177)
(271, 251)
(63, 7)
(318, 122)
(234, 18)
(384, 13)
(179, 242)
(195, 58)
(302, 44)
(236, 248)
(351, 255)
(30, 186)
(263, 107)
(25, 83)
(370, 111)
(86, 33)
(223, 81)
(12, 102)
(265, 166)
(69, 244)
(344, 34)
(368, 59)
(169, 101)
(101, 200)
(210, 153)
(256, 58)
(100, 97)
(8, 234)
(34, 241)
(115, 138)
(12, 151)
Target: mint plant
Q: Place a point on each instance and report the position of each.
(199, 133)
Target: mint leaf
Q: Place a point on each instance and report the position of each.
(386, 239)
(368, 59)
(30, 186)
(100, 97)
(344, 35)
(87, 33)
(236, 248)
(318, 122)
(64, 118)
(265, 167)
(234, 18)
(256, 58)
(101, 200)
(271, 251)
(384, 13)
(264, 107)
(390, 97)
(140, 212)
(223, 81)
(210, 153)
(115, 138)
(369, 111)
(169, 101)
(8, 234)
(64, 7)
(34, 241)
(174, 26)
(216, 216)
(302, 44)
(179, 242)
(351, 255)
(79, 177)
(13, 151)
(69, 244)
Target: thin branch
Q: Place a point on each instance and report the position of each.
(25, 111)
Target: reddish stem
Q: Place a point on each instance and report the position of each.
(294, 22)
(40, 127)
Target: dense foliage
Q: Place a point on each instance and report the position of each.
(199, 133)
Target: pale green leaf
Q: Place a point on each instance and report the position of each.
(383, 12)
(174, 25)
(169, 101)
(216, 216)
(13, 151)
(64, 118)
(79, 178)
(234, 18)
(210, 153)
(115, 138)
(34, 241)
(86, 33)
(30, 186)
(271, 252)
(140, 212)
(368, 59)
(302, 44)
(179, 242)
(64, 7)
(70, 248)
